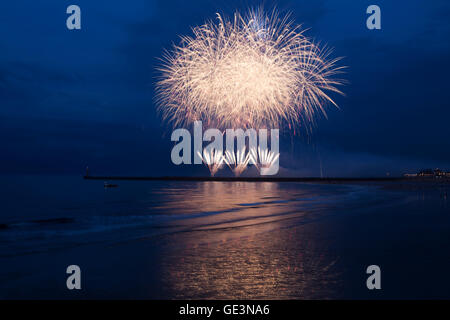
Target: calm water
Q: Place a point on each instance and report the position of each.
(221, 239)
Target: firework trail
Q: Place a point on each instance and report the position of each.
(213, 160)
(253, 71)
(266, 157)
(238, 161)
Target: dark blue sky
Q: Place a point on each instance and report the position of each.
(74, 98)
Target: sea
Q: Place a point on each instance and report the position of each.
(223, 240)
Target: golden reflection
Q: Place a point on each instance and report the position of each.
(246, 246)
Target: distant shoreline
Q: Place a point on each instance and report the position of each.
(260, 179)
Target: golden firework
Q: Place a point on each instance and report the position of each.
(255, 71)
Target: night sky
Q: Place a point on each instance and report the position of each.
(72, 98)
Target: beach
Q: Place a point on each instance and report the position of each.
(223, 240)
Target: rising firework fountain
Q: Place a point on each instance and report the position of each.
(213, 159)
(237, 161)
(263, 158)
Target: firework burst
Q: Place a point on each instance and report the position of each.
(253, 71)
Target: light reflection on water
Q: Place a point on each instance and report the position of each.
(248, 245)
(201, 240)
(271, 266)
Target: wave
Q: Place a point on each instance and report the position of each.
(136, 220)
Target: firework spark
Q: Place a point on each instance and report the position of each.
(255, 71)
(212, 159)
(238, 161)
(266, 157)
